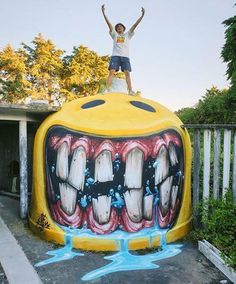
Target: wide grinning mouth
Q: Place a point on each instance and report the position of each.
(104, 183)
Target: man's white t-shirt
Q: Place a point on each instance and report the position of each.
(121, 43)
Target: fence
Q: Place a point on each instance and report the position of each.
(214, 164)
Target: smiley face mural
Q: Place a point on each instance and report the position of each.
(111, 165)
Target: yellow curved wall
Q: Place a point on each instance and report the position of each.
(116, 118)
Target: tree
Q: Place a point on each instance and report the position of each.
(187, 114)
(13, 74)
(213, 107)
(44, 68)
(228, 52)
(41, 72)
(229, 56)
(84, 69)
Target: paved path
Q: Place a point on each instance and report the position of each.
(13, 260)
(189, 267)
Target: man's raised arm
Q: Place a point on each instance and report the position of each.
(138, 21)
(106, 19)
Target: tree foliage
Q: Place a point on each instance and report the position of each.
(82, 71)
(13, 74)
(229, 56)
(44, 67)
(187, 114)
(213, 107)
(43, 71)
(229, 49)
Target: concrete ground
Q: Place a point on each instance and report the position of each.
(189, 267)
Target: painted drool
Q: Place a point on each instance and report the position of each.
(105, 184)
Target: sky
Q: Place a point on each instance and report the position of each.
(175, 53)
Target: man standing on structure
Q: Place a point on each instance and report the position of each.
(120, 53)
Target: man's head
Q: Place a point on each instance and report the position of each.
(120, 28)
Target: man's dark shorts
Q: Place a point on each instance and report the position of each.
(118, 62)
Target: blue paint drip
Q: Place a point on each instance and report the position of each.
(90, 181)
(61, 254)
(156, 164)
(117, 156)
(111, 192)
(86, 172)
(123, 260)
(83, 201)
(119, 202)
(126, 261)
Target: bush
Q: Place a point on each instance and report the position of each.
(218, 226)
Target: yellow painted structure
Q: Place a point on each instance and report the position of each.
(113, 116)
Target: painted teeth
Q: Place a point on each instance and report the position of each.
(71, 178)
(161, 165)
(173, 155)
(103, 167)
(165, 190)
(102, 209)
(77, 168)
(62, 161)
(174, 193)
(68, 198)
(147, 207)
(134, 169)
(133, 200)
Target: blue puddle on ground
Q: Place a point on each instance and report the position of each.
(123, 260)
(61, 254)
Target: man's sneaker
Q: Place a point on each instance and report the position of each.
(132, 93)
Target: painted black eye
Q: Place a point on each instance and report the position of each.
(143, 106)
(93, 104)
